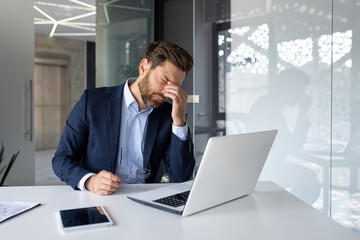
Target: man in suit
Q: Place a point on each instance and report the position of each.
(120, 134)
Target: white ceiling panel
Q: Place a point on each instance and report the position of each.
(75, 19)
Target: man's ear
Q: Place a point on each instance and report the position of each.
(144, 67)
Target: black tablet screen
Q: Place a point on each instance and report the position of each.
(82, 216)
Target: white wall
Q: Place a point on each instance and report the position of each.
(16, 67)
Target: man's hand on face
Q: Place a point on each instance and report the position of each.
(179, 97)
(103, 183)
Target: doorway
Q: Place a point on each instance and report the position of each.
(51, 101)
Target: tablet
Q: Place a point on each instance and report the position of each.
(84, 218)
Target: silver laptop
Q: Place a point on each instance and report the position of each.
(229, 169)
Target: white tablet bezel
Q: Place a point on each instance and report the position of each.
(87, 226)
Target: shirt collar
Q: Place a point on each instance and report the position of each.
(129, 98)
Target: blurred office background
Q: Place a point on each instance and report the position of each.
(265, 64)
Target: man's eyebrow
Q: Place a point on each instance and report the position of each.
(166, 78)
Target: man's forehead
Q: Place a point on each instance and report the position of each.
(166, 74)
(172, 74)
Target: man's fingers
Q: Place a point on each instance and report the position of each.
(107, 187)
(175, 93)
(115, 178)
(170, 95)
(110, 182)
(104, 189)
(103, 183)
(179, 97)
(110, 175)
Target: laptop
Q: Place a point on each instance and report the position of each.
(230, 168)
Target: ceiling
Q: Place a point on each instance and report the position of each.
(74, 19)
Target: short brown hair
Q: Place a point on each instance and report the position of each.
(160, 51)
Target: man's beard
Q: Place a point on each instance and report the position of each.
(148, 97)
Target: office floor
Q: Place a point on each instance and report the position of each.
(44, 174)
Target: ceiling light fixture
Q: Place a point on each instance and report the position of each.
(77, 17)
(83, 24)
(68, 22)
(53, 30)
(76, 26)
(110, 4)
(89, 8)
(84, 4)
(74, 34)
(44, 13)
(50, 18)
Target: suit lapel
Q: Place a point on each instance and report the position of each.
(152, 128)
(114, 116)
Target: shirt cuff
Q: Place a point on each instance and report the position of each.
(180, 132)
(81, 184)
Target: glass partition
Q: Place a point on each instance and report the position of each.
(277, 79)
(293, 66)
(345, 194)
(272, 72)
(124, 28)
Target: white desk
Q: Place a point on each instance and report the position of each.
(270, 213)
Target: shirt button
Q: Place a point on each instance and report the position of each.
(133, 133)
(130, 172)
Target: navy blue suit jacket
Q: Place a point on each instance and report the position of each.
(90, 140)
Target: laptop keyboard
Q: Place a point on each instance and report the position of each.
(175, 200)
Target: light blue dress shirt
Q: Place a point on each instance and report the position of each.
(132, 135)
